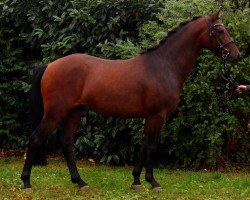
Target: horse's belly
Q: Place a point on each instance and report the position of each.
(116, 106)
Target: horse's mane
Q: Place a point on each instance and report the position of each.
(171, 33)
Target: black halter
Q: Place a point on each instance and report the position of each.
(224, 51)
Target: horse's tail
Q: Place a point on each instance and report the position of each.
(36, 111)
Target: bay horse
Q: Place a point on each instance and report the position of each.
(146, 86)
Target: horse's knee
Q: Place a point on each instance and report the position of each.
(67, 147)
(152, 149)
(66, 143)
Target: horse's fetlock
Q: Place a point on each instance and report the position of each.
(149, 178)
(75, 179)
(25, 177)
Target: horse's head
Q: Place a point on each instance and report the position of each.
(217, 39)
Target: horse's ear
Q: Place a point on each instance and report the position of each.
(215, 16)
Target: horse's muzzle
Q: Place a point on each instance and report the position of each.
(232, 57)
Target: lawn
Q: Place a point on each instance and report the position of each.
(53, 182)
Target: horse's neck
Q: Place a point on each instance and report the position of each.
(179, 53)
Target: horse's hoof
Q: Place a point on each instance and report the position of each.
(84, 188)
(136, 187)
(27, 188)
(157, 189)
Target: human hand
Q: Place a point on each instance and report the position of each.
(241, 88)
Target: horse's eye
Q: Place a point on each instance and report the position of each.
(220, 31)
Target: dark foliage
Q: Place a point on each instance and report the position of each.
(210, 125)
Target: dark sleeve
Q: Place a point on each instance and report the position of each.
(248, 88)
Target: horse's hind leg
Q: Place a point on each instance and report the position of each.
(36, 140)
(70, 125)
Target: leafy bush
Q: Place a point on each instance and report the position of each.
(64, 27)
(12, 88)
(210, 125)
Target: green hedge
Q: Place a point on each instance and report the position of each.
(208, 129)
(13, 87)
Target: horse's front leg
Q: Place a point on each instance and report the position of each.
(138, 167)
(152, 129)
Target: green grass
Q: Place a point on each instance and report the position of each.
(53, 182)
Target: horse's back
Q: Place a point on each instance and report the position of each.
(100, 84)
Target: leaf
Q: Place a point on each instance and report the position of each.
(57, 19)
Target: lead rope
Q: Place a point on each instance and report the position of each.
(230, 78)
